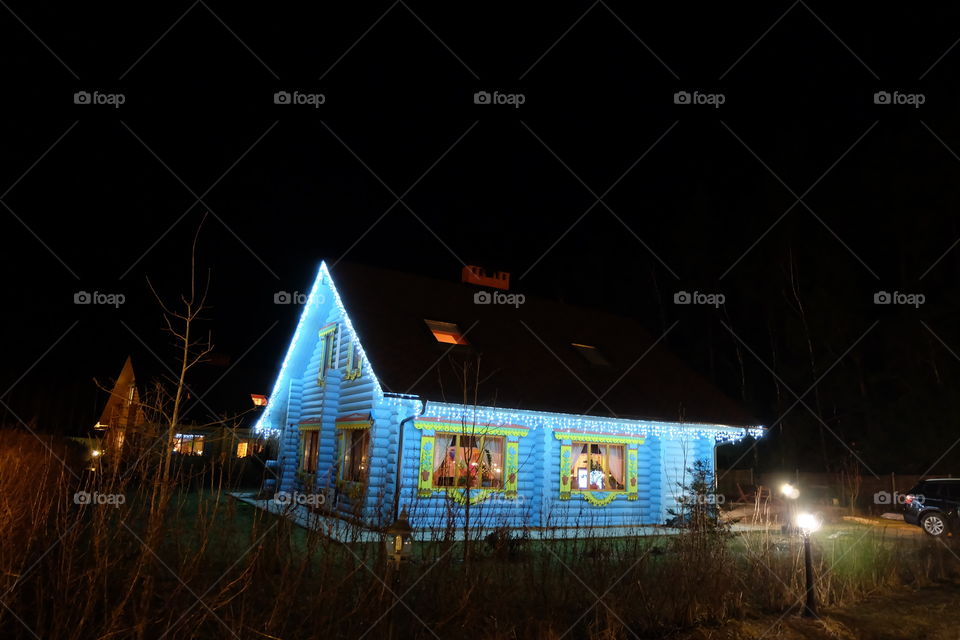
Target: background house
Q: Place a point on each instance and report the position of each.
(126, 419)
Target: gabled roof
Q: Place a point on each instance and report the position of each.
(122, 408)
(526, 355)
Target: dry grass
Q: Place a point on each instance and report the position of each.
(201, 565)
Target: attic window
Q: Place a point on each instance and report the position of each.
(591, 354)
(446, 332)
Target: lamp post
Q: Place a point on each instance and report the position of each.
(808, 523)
(399, 540)
(791, 493)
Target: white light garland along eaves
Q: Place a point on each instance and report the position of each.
(469, 415)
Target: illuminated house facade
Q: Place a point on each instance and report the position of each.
(403, 392)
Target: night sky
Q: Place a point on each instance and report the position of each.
(798, 198)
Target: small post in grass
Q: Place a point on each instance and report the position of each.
(808, 523)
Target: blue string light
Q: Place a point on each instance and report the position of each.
(456, 413)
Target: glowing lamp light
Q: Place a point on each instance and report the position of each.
(399, 539)
(789, 491)
(95, 453)
(807, 523)
(258, 400)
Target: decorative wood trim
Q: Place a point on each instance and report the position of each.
(590, 438)
(425, 477)
(469, 430)
(632, 489)
(354, 425)
(328, 336)
(328, 328)
(476, 495)
(355, 421)
(511, 468)
(592, 497)
(565, 464)
(354, 367)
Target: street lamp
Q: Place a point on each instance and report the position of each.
(399, 540)
(808, 523)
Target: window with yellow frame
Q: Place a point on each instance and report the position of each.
(328, 351)
(597, 466)
(474, 461)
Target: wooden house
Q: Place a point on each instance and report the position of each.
(124, 424)
(399, 392)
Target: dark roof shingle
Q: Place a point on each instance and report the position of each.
(526, 355)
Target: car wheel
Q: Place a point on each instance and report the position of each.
(934, 524)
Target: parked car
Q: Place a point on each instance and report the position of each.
(933, 506)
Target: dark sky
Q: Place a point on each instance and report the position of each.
(693, 197)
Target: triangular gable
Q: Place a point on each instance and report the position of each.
(123, 406)
(314, 316)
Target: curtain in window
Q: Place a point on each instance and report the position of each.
(615, 463)
(491, 461)
(357, 451)
(580, 458)
(443, 460)
(310, 441)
